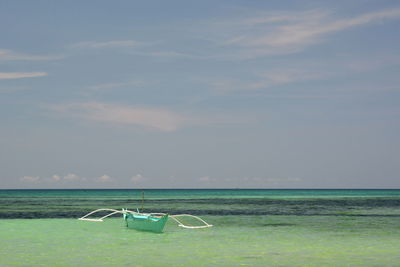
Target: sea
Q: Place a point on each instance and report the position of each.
(258, 227)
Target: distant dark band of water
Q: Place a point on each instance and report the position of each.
(76, 203)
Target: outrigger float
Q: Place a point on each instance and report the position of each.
(153, 222)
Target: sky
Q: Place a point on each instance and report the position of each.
(200, 94)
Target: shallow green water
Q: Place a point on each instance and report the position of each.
(252, 228)
(247, 240)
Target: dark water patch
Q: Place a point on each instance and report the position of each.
(78, 214)
(364, 202)
(44, 215)
(371, 202)
(277, 224)
(67, 207)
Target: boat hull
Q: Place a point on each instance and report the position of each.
(145, 223)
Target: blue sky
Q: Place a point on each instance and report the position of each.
(200, 94)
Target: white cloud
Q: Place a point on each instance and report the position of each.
(204, 179)
(56, 177)
(137, 178)
(156, 118)
(71, 177)
(11, 55)
(30, 179)
(20, 75)
(104, 178)
(292, 32)
(108, 44)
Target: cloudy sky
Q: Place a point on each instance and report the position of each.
(200, 94)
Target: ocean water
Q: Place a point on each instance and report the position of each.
(251, 228)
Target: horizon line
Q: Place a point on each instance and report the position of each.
(190, 188)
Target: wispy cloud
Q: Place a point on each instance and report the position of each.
(112, 85)
(157, 51)
(160, 119)
(156, 118)
(11, 55)
(108, 44)
(268, 79)
(21, 75)
(292, 32)
(169, 54)
(164, 54)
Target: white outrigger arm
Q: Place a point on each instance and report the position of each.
(85, 218)
(124, 211)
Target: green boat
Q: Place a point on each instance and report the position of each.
(152, 222)
(145, 222)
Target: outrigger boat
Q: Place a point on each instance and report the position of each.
(153, 222)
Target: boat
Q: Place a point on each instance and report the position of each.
(145, 222)
(152, 222)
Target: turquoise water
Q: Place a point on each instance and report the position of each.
(252, 228)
